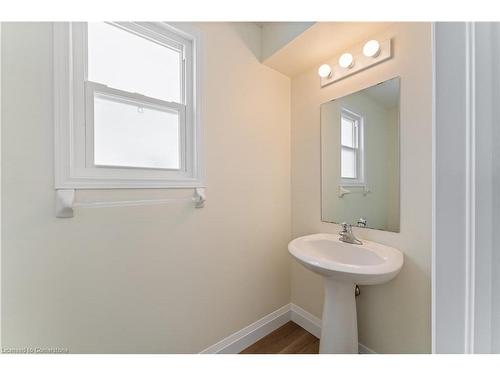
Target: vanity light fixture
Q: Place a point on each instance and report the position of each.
(358, 58)
(371, 48)
(346, 61)
(325, 71)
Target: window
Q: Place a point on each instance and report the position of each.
(130, 135)
(351, 149)
(127, 101)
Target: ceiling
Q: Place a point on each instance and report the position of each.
(319, 43)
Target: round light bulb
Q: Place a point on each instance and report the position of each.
(325, 71)
(346, 60)
(371, 48)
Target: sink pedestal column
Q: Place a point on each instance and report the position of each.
(339, 333)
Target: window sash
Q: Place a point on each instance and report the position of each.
(356, 163)
(93, 88)
(357, 129)
(354, 131)
(149, 34)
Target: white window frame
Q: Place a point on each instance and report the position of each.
(358, 120)
(73, 98)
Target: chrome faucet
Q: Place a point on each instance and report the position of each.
(346, 235)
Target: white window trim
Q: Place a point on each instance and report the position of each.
(360, 180)
(72, 170)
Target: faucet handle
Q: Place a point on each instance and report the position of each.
(347, 236)
(361, 222)
(345, 227)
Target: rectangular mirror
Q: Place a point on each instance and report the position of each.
(360, 158)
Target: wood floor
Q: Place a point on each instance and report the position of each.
(288, 339)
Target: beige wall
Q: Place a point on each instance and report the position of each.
(156, 278)
(395, 317)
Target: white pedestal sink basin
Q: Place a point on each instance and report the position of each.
(344, 265)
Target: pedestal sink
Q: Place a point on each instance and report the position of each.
(343, 266)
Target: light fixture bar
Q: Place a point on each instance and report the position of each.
(359, 61)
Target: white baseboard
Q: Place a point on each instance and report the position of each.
(249, 335)
(306, 320)
(362, 349)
